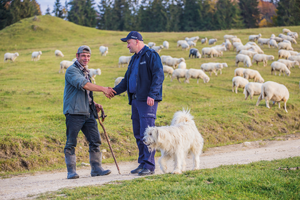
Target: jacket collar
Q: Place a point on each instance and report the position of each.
(142, 51)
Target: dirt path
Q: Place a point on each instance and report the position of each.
(26, 186)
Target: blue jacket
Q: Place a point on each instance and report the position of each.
(149, 80)
(76, 100)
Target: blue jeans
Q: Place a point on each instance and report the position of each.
(142, 117)
(88, 125)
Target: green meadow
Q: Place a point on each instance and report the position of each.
(32, 131)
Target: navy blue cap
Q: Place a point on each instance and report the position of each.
(133, 35)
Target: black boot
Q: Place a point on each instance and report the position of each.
(71, 166)
(95, 161)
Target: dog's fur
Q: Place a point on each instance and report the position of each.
(176, 141)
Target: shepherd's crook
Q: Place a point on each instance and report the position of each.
(103, 117)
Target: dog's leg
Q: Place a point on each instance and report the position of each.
(178, 162)
(163, 162)
(196, 152)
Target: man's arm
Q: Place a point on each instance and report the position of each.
(108, 91)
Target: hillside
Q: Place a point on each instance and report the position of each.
(32, 132)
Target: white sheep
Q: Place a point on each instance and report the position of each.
(293, 53)
(164, 59)
(219, 67)
(58, 53)
(239, 72)
(262, 41)
(93, 73)
(248, 53)
(285, 30)
(151, 44)
(191, 43)
(235, 40)
(197, 74)
(220, 49)
(74, 59)
(253, 74)
(281, 67)
(203, 41)
(64, 65)
(275, 92)
(212, 41)
(174, 62)
(236, 44)
(210, 52)
(238, 82)
(283, 54)
(35, 56)
(278, 39)
(166, 44)
(272, 36)
(226, 37)
(193, 39)
(262, 58)
(244, 59)
(185, 46)
(103, 50)
(182, 65)
(11, 56)
(289, 63)
(252, 44)
(228, 44)
(293, 34)
(283, 45)
(256, 49)
(158, 48)
(287, 41)
(180, 42)
(124, 60)
(294, 58)
(179, 73)
(272, 43)
(254, 37)
(168, 70)
(212, 67)
(243, 47)
(252, 89)
(286, 37)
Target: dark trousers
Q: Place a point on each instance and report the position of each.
(142, 117)
(88, 125)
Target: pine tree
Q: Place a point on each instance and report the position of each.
(174, 13)
(82, 12)
(158, 19)
(57, 9)
(250, 12)
(24, 9)
(48, 11)
(288, 13)
(5, 14)
(191, 15)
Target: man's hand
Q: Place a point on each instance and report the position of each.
(98, 107)
(109, 92)
(150, 101)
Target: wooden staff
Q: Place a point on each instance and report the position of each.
(106, 136)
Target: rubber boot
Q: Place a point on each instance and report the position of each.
(71, 166)
(95, 161)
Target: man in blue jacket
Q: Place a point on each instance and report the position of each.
(81, 112)
(143, 81)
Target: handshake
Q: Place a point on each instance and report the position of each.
(109, 92)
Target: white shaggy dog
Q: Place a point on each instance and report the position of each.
(176, 141)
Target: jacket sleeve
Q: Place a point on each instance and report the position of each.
(122, 86)
(76, 79)
(157, 75)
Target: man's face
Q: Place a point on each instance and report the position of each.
(132, 45)
(83, 58)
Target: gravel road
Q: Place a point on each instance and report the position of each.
(27, 186)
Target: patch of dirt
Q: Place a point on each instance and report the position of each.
(28, 186)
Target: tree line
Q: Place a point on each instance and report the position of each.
(155, 15)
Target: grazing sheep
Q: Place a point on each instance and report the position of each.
(185, 46)
(195, 53)
(272, 43)
(220, 49)
(228, 44)
(278, 39)
(203, 41)
(289, 63)
(64, 65)
(210, 52)
(236, 40)
(212, 67)
(212, 41)
(74, 59)
(168, 70)
(294, 58)
(293, 53)
(35, 56)
(283, 45)
(243, 47)
(283, 54)
(262, 41)
(285, 30)
(262, 58)
(239, 72)
(293, 34)
(236, 44)
(252, 89)
(158, 48)
(103, 50)
(93, 73)
(252, 44)
(285, 37)
(254, 37)
(256, 49)
(218, 66)
(166, 44)
(192, 39)
(197, 74)
(287, 41)
(164, 59)
(226, 37)
(179, 73)
(180, 42)
(173, 62)
(278, 66)
(272, 36)
(191, 43)
(244, 59)
(248, 53)
(253, 74)
(124, 60)
(151, 44)
(182, 65)
(238, 82)
(58, 53)
(11, 56)
(275, 92)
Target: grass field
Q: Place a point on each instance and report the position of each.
(32, 132)
(259, 180)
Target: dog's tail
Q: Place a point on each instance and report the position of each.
(182, 116)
